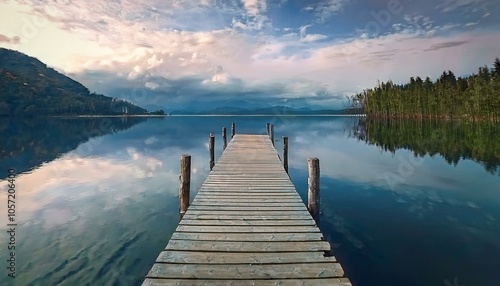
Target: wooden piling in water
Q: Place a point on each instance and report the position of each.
(271, 130)
(233, 130)
(268, 129)
(313, 186)
(184, 184)
(211, 148)
(285, 153)
(224, 138)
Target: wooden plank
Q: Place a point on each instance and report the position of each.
(217, 195)
(213, 195)
(272, 222)
(248, 189)
(202, 199)
(247, 208)
(245, 229)
(241, 282)
(312, 236)
(230, 216)
(302, 212)
(248, 246)
(247, 271)
(192, 257)
(246, 204)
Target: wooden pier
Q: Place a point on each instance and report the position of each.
(247, 226)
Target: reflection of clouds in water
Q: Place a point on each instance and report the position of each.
(340, 225)
(427, 184)
(68, 188)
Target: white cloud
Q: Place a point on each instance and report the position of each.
(326, 8)
(451, 5)
(255, 7)
(313, 38)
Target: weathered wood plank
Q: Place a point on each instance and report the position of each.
(201, 199)
(277, 223)
(246, 271)
(191, 257)
(313, 236)
(248, 246)
(197, 203)
(230, 216)
(275, 213)
(247, 208)
(249, 229)
(263, 282)
(217, 195)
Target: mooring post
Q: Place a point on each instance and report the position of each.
(185, 184)
(224, 138)
(232, 130)
(272, 133)
(268, 129)
(211, 145)
(285, 153)
(313, 186)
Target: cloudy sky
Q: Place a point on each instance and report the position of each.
(181, 54)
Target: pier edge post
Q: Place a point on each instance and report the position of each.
(233, 130)
(185, 183)
(224, 138)
(272, 133)
(268, 129)
(285, 153)
(313, 198)
(211, 145)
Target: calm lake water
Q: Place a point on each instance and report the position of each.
(403, 203)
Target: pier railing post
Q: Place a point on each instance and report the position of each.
(271, 128)
(233, 130)
(185, 184)
(268, 129)
(211, 145)
(224, 138)
(285, 153)
(313, 187)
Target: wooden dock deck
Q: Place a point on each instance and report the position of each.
(247, 226)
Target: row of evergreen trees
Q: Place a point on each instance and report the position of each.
(474, 97)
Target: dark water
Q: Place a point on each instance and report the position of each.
(403, 203)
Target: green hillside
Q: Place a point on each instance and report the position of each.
(29, 88)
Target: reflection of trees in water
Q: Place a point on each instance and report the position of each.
(453, 140)
(31, 142)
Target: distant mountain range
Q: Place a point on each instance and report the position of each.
(275, 110)
(29, 88)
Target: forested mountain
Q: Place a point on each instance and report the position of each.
(29, 88)
(473, 97)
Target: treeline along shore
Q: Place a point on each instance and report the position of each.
(475, 97)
